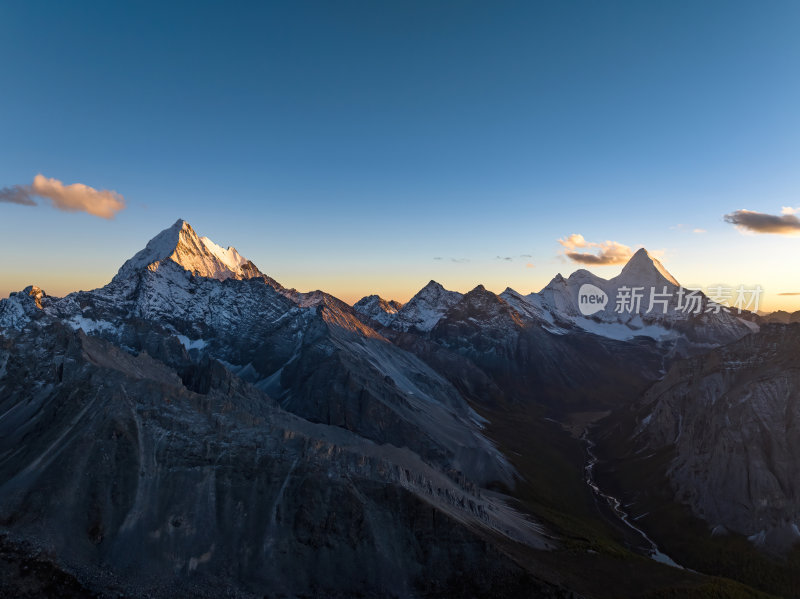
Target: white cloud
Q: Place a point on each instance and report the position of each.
(600, 254)
(70, 198)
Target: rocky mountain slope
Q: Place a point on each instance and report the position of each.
(196, 420)
(542, 348)
(121, 464)
(732, 419)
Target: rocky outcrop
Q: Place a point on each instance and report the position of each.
(376, 309)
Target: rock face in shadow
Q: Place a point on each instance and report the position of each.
(120, 465)
(733, 419)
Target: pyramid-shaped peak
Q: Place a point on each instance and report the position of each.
(180, 244)
(177, 227)
(641, 255)
(433, 285)
(644, 267)
(432, 291)
(480, 293)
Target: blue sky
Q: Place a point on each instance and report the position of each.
(346, 145)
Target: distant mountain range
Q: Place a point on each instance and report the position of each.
(195, 428)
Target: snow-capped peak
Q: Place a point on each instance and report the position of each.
(425, 309)
(199, 255)
(377, 308)
(644, 269)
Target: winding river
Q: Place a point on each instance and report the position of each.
(616, 506)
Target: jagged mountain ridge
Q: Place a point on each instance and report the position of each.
(279, 340)
(780, 317)
(692, 323)
(669, 317)
(533, 362)
(410, 380)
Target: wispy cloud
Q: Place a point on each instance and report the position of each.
(504, 258)
(455, 260)
(759, 222)
(597, 254)
(529, 265)
(16, 194)
(70, 198)
(684, 227)
(790, 293)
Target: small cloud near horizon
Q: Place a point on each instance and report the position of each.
(596, 254)
(685, 227)
(749, 221)
(790, 293)
(455, 260)
(76, 197)
(529, 265)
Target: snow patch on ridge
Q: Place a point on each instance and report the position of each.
(230, 257)
(89, 325)
(191, 343)
(622, 332)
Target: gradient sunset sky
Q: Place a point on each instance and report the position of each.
(368, 147)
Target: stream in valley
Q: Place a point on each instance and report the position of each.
(616, 507)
